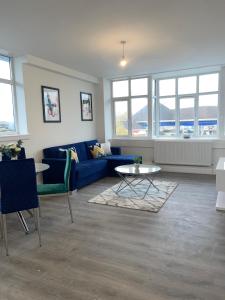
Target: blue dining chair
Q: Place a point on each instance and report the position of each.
(18, 192)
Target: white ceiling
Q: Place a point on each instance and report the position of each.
(162, 35)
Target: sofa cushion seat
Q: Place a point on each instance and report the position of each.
(90, 167)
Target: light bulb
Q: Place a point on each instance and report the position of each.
(123, 62)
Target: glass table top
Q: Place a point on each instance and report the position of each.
(40, 167)
(137, 170)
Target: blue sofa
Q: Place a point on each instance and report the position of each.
(87, 170)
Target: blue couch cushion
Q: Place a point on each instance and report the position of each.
(81, 151)
(88, 144)
(54, 152)
(90, 167)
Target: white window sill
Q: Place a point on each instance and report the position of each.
(14, 137)
(216, 138)
(187, 139)
(141, 138)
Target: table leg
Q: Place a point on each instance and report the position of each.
(127, 183)
(23, 222)
(120, 185)
(141, 179)
(151, 182)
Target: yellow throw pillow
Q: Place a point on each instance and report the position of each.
(97, 151)
(74, 156)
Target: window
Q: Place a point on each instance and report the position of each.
(120, 88)
(209, 83)
(186, 106)
(7, 119)
(139, 110)
(187, 85)
(121, 117)
(139, 87)
(187, 115)
(130, 98)
(207, 114)
(167, 109)
(167, 87)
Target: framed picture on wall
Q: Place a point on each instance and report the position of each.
(86, 106)
(51, 104)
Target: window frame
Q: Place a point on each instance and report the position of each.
(129, 103)
(177, 96)
(11, 82)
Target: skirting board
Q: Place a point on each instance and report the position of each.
(220, 203)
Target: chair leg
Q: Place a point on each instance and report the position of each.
(39, 208)
(70, 208)
(35, 219)
(37, 224)
(1, 229)
(4, 232)
(23, 222)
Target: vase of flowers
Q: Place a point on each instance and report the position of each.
(137, 162)
(11, 151)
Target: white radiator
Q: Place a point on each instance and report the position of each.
(193, 153)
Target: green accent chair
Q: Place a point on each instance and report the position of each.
(59, 189)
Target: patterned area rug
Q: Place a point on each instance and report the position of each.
(126, 198)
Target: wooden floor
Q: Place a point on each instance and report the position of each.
(122, 254)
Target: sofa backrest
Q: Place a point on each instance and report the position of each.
(54, 152)
(82, 149)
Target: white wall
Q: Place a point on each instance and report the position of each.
(100, 113)
(104, 115)
(71, 129)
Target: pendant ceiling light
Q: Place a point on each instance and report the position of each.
(123, 61)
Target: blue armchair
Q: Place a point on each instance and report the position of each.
(18, 191)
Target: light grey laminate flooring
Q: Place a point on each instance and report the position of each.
(122, 254)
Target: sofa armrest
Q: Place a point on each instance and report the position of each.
(55, 173)
(116, 150)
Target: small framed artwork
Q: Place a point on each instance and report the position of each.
(51, 104)
(86, 106)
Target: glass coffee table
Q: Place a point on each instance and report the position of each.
(132, 176)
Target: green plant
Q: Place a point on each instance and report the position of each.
(11, 150)
(138, 160)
